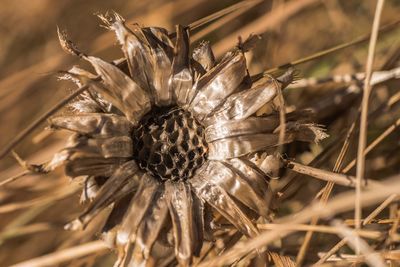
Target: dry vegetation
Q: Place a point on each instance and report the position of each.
(318, 217)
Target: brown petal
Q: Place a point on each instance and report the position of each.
(198, 213)
(180, 204)
(125, 179)
(204, 56)
(306, 132)
(149, 231)
(233, 182)
(243, 104)
(90, 189)
(181, 78)
(217, 84)
(140, 203)
(117, 213)
(123, 92)
(108, 147)
(97, 166)
(93, 124)
(235, 147)
(218, 198)
(252, 173)
(136, 49)
(252, 125)
(162, 64)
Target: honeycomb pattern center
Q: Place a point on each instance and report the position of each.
(169, 143)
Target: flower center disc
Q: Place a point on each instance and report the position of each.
(169, 143)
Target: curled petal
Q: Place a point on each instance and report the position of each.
(90, 189)
(243, 104)
(237, 185)
(140, 203)
(136, 49)
(204, 56)
(122, 91)
(149, 230)
(235, 147)
(181, 78)
(93, 124)
(252, 125)
(217, 84)
(108, 147)
(125, 179)
(80, 164)
(162, 65)
(180, 204)
(218, 198)
(306, 132)
(118, 211)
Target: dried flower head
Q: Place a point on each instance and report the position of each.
(164, 138)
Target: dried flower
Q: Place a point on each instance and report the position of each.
(161, 137)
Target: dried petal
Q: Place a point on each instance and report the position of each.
(204, 56)
(108, 147)
(243, 104)
(140, 203)
(254, 177)
(252, 125)
(218, 198)
(123, 181)
(180, 204)
(235, 147)
(136, 49)
(117, 213)
(234, 182)
(181, 78)
(93, 124)
(133, 101)
(149, 230)
(217, 84)
(80, 164)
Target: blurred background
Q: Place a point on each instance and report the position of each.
(34, 209)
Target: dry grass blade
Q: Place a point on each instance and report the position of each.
(325, 195)
(318, 228)
(342, 202)
(374, 143)
(267, 22)
(333, 177)
(14, 178)
(224, 20)
(24, 230)
(65, 192)
(354, 240)
(379, 209)
(362, 142)
(58, 257)
(331, 252)
(40, 120)
(384, 29)
(223, 12)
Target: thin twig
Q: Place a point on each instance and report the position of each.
(362, 141)
(354, 241)
(325, 195)
(379, 209)
(15, 177)
(332, 251)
